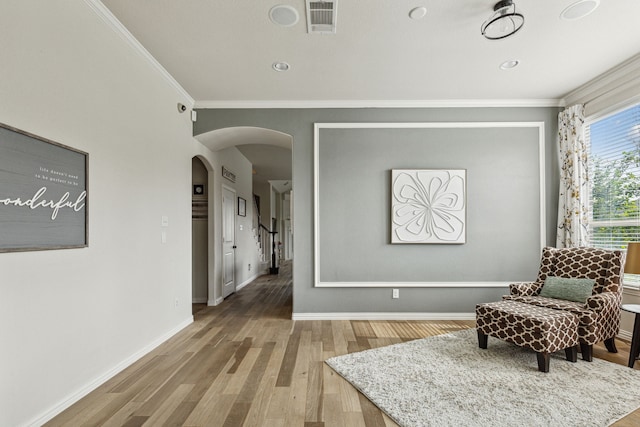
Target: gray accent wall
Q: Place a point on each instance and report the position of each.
(363, 160)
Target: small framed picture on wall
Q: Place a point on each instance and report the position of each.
(198, 190)
(242, 207)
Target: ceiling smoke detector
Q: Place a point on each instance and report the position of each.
(321, 16)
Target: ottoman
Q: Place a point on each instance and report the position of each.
(543, 330)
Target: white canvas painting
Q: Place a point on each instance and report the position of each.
(428, 206)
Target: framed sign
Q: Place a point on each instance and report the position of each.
(228, 174)
(43, 193)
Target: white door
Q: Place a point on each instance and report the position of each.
(228, 241)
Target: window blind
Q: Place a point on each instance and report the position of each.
(614, 168)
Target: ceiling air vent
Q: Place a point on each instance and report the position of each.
(321, 16)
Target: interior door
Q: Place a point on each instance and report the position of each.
(228, 241)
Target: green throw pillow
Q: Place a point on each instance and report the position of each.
(577, 290)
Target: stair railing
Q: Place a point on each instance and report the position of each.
(264, 234)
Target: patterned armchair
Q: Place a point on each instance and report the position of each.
(599, 316)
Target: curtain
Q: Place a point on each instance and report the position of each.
(573, 200)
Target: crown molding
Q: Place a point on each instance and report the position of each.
(113, 22)
(436, 103)
(620, 78)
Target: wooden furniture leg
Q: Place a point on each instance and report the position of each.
(635, 342)
(572, 353)
(587, 352)
(482, 340)
(610, 343)
(543, 361)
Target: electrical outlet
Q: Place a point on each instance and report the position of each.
(395, 293)
(249, 267)
(176, 303)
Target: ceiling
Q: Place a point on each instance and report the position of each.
(221, 51)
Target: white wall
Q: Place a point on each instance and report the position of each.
(246, 253)
(70, 318)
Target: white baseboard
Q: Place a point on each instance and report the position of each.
(214, 302)
(246, 282)
(383, 316)
(92, 385)
(199, 300)
(625, 335)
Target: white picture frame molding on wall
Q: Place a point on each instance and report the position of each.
(539, 126)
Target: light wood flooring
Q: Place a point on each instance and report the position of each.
(245, 362)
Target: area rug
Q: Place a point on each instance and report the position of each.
(447, 380)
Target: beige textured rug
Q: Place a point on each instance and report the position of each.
(448, 381)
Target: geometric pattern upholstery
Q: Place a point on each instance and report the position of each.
(543, 330)
(599, 317)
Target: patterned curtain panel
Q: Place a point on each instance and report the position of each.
(573, 202)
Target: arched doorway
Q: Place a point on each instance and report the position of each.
(268, 151)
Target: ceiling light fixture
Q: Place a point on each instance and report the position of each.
(418, 12)
(579, 9)
(504, 22)
(280, 66)
(508, 65)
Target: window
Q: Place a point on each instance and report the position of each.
(614, 164)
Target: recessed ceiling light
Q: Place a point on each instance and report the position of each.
(280, 66)
(508, 65)
(579, 9)
(284, 15)
(418, 12)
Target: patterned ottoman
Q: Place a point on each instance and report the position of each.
(544, 330)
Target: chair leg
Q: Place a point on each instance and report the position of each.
(482, 339)
(543, 361)
(610, 343)
(572, 353)
(587, 352)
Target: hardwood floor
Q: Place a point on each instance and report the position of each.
(245, 362)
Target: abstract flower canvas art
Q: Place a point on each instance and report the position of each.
(428, 206)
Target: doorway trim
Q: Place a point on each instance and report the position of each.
(228, 228)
